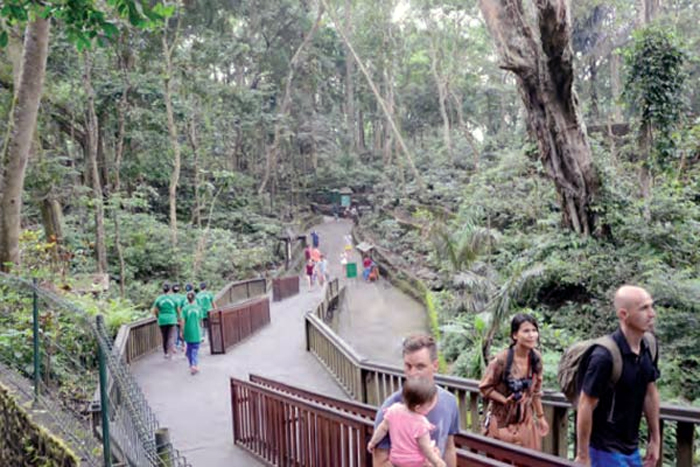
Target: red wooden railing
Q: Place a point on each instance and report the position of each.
(508, 453)
(284, 425)
(230, 325)
(284, 287)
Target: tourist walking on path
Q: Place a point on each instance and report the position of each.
(420, 360)
(322, 270)
(314, 239)
(166, 311)
(607, 422)
(309, 269)
(407, 425)
(191, 317)
(205, 300)
(513, 385)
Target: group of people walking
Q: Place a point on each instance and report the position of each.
(316, 267)
(614, 379)
(182, 319)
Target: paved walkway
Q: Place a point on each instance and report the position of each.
(197, 409)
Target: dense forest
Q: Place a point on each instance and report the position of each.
(514, 155)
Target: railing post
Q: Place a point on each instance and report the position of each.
(104, 402)
(684, 444)
(162, 439)
(35, 335)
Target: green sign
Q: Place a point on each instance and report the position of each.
(351, 270)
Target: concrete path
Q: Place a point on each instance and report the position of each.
(197, 409)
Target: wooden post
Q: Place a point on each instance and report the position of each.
(684, 444)
(163, 448)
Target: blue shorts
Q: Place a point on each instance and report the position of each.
(614, 459)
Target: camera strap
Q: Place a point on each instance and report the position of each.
(509, 364)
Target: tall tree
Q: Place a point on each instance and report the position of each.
(83, 22)
(92, 131)
(168, 50)
(25, 107)
(350, 112)
(541, 57)
(273, 151)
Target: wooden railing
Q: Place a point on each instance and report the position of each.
(465, 440)
(230, 325)
(372, 383)
(239, 291)
(471, 448)
(284, 287)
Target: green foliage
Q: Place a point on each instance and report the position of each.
(83, 20)
(655, 86)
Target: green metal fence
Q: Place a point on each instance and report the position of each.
(50, 353)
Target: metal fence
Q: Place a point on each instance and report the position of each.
(50, 353)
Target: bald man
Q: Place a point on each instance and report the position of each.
(608, 417)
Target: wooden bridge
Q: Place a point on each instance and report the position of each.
(288, 383)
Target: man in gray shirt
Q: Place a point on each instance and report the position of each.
(420, 360)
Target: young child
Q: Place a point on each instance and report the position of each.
(191, 315)
(408, 427)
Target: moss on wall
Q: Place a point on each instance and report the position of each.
(23, 443)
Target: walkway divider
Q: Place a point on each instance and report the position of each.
(371, 383)
(284, 287)
(467, 441)
(240, 290)
(231, 324)
(292, 427)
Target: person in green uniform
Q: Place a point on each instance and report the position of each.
(180, 302)
(205, 300)
(165, 308)
(191, 317)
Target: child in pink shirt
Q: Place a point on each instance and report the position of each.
(409, 429)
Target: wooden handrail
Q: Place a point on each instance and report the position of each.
(371, 383)
(231, 324)
(471, 447)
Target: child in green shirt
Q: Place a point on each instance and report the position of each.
(191, 315)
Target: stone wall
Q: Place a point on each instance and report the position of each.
(23, 443)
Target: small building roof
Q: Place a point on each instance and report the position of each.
(364, 247)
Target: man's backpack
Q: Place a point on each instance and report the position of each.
(574, 356)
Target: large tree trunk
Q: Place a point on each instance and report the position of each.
(18, 144)
(542, 60)
(92, 130)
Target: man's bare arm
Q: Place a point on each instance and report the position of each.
(451, 452)
(651, 413)
(584, 426)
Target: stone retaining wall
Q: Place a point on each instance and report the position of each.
(23, 443)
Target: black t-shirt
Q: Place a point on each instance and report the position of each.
(617, 430)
